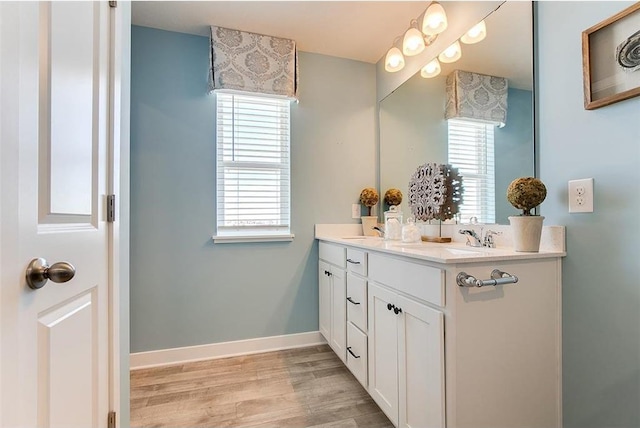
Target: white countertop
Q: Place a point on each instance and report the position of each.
(449, 253)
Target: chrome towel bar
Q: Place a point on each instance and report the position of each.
(498, 277)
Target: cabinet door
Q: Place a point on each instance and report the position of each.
(324, 297)
(383, 351)
(339, 313)
(420, 365)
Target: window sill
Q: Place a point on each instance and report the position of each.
(226, 239)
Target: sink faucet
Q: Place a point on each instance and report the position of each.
(473, 240)
(488, 240)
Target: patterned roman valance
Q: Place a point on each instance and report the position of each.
(253, 63)
(477, 97)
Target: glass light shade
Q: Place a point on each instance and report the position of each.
(476, 34)
(431, 70)
(435, 20)
(394, 61)
(451, 54)
(413, 42)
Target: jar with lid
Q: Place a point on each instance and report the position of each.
(411, 232)
(393, 224)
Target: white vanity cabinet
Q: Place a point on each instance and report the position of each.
(433, 353)
(332, 297)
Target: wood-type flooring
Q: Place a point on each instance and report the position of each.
(304, 387)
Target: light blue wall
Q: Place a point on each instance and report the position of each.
(184, 289)
(513, 149)
(601, 291)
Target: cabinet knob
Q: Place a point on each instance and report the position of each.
(397, 310)
(390, 306)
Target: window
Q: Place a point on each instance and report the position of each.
(471, 151)
(253, 166)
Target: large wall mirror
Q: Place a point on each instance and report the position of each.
(413, 130)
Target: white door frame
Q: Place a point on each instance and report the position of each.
(119, 127)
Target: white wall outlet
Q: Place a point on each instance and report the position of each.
(581, 196)
(355, 211)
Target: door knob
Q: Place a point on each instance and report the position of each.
(39, 271)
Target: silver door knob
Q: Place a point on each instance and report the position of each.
(39, 271)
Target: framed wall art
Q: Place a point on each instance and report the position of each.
(611, 59)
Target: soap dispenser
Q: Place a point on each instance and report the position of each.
(393, 224)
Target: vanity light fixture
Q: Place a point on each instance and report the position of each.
(451, 54)
(476, 34)
(431, 70)
(394, 61)
(413, 42)
(434, 21)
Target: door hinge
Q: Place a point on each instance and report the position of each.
(111, 420)
(113, 3)
(111, 208)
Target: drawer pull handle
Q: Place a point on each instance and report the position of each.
(498, 277)
(397, 310)
(351, 352)
(351, 300)
(353, 262)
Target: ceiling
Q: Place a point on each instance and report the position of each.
(360, 30)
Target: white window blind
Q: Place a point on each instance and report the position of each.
(253, 165)
(471, 151)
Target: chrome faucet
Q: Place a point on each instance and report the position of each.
(475, 240)
(379, 230)
(488, 240)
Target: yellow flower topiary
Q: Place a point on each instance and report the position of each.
(369, 197)
(526, 193)
(393, 197)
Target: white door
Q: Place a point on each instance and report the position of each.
(421, 365)
(383, 350)
(339, 313)
(324, 296)
(54, 348)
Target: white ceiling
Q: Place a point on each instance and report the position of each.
(360, 30)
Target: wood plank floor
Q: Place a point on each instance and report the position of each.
(306, 387)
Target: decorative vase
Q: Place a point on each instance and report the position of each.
(526, 231)
(368, 224)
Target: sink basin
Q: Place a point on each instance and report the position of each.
(463, 251)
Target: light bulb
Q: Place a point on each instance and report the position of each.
(435, 20)
(431, 70)
(451, 54)
(394, 61)
(413, 42)
(476, 34)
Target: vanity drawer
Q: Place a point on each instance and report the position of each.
(357, 261)
(357, 353)
(357, 301)
(334, 254)
(418, 280)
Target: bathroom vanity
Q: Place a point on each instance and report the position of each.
(431, 347)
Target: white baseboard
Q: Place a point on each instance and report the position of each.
(162, 357)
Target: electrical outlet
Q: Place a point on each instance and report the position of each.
(581, 196)
(355, 211)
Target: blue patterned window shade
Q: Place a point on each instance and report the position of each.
(478, 97)
(252, 62)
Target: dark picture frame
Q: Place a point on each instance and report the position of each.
(610, 63)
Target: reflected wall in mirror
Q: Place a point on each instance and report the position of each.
(413, 130)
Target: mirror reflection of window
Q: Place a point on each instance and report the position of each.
(471, 150)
